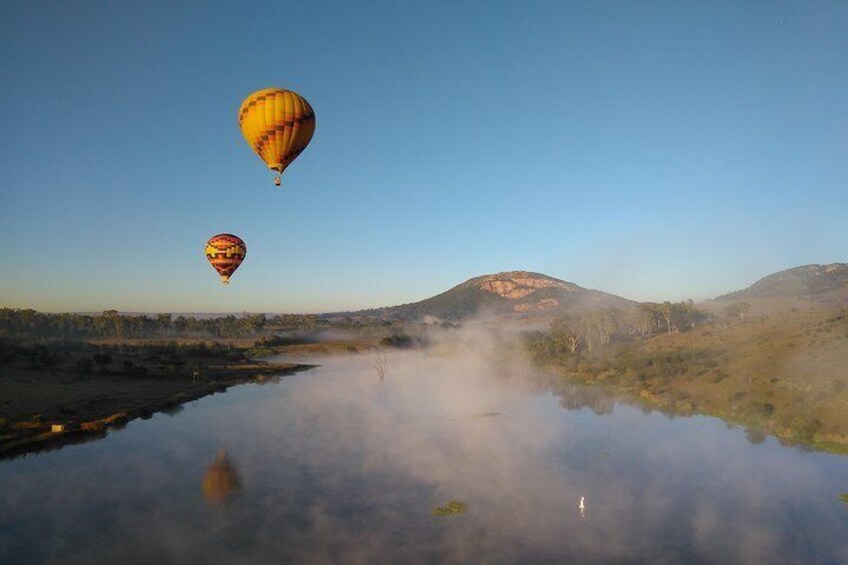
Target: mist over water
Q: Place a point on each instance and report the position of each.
(339, 465)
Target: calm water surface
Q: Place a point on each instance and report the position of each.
(334, 465)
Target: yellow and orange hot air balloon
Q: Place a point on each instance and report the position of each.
(278, 125)
(225, 252)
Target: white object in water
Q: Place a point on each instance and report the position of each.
(582, 507)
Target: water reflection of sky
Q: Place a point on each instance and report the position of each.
(334, 466)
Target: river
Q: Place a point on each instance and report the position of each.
(336, 465)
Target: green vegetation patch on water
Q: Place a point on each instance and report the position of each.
(844, 497)
(451, 508)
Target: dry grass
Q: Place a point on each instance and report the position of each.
(341, 347)
(244, 342)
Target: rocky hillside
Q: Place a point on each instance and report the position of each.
(826, 283)
(513, 292)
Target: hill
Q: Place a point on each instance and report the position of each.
(508, 293)
(822, 283)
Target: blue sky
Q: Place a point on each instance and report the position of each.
(655, 150)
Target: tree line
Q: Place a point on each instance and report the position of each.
(28, 323)
(588, 333)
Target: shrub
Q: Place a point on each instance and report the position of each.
(401, 341)
(259, 351)
(807, 431)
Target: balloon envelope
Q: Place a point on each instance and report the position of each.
(225, 253)
(278, 125)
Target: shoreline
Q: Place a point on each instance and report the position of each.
(666, 404)
(24, 437)
(781, 374)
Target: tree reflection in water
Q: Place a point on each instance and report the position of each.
(573, 397)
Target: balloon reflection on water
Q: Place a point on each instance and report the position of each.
(221, 480)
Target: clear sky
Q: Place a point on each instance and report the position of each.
(655, 150)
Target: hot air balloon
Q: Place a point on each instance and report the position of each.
(225, 252)
(278, 125)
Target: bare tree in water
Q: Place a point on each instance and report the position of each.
(379, 363)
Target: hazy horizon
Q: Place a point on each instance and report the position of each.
(648, 150)
(178, 312)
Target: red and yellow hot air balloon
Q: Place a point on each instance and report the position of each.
(278, 125)
(225, 253)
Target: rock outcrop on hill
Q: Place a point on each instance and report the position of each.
(512, 292)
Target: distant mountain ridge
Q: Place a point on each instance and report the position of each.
(808, 281)
(511, 292)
